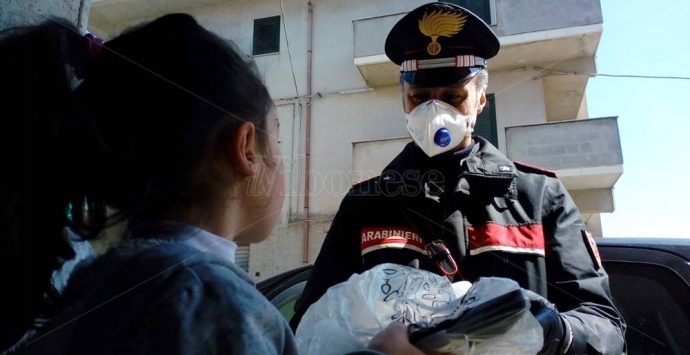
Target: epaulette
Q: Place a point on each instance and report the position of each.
(356, 185)
(533, 169)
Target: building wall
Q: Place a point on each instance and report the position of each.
(22, 12)
(519, 99)
(333, 70)
(515, 17)
(337, 122)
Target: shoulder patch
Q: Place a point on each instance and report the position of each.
(592, 248)
(356, 185)
(533, 169)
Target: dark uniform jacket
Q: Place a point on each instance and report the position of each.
(496, 217)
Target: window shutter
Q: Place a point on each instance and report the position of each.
(242, 257)
(266, 35)
(478, 7)
(486, 122)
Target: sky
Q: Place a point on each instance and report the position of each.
(652, 197)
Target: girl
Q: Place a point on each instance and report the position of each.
(171, 139)
(170, 129)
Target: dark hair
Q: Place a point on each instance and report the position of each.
(34, 186)
(137, 136)
(160, 94)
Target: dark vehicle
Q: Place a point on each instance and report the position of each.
(650, 282)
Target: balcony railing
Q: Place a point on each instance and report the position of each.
(532, 33)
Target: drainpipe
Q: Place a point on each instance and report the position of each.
(307, 134)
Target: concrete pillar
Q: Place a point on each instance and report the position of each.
(564, 94)
(593, 200)
(593, 224)
(29, 12)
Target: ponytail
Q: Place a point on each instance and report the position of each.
(37, 178)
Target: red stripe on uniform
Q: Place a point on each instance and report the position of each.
(523, 237)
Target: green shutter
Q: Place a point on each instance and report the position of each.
(242, 257)
(478, 7)
(486, 121)
(266, 35)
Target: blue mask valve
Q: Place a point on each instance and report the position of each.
(442, 137)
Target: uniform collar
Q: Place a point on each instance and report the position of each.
(484, 167)
(489, 162)
(450, 164)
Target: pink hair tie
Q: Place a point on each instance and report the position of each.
(93, 46)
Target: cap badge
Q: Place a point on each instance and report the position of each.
(439, 23)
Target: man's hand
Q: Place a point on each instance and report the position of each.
(557, 336)
(394, 340)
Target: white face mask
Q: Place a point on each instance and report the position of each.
(438, 127)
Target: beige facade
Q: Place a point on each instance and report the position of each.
(21, 12)
(354, 106)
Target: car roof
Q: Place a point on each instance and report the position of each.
(679, 246)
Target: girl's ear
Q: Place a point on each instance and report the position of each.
(242, 149)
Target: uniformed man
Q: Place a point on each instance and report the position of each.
(452, 203)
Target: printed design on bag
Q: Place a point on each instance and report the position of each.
(416, 295)
(375, 238)
(528, 239)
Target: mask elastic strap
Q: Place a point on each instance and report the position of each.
(473, 121)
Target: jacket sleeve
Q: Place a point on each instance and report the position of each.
(578, 284)
(340, 257)
(173, 304)
(209, 310)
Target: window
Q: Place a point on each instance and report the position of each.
(481, 8)
(242, 257)
(486, 121)
(266, 35)
(655, 303)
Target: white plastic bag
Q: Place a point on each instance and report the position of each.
(351, 313)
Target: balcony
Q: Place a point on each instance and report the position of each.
(559, 35)
(585, 154)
